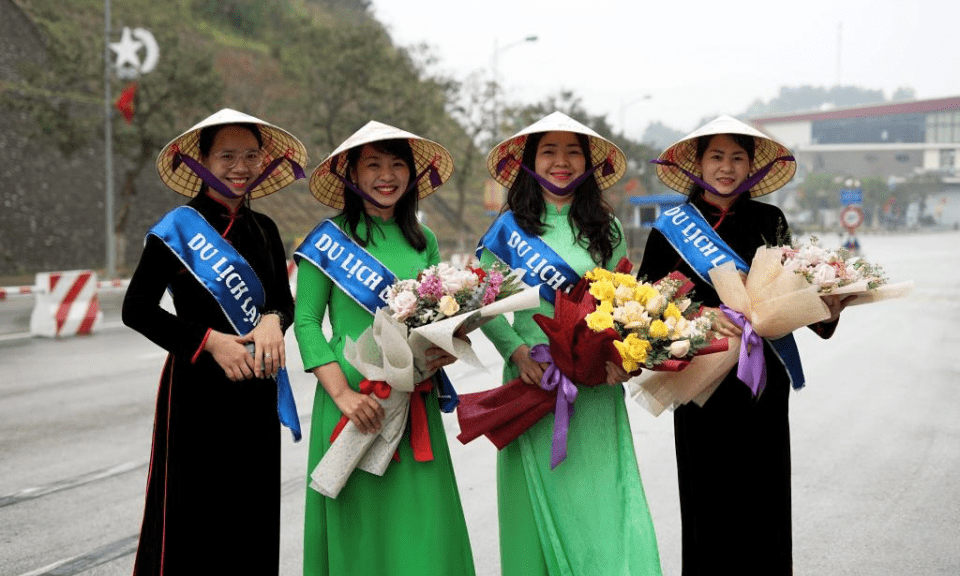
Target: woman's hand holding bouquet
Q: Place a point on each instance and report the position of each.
(424, 323)
(583, 337)
(787, 287)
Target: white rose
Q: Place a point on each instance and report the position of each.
(468, 279)
(655, 304)
(403, 304)
(454, 279)
(791, 265)
(824, 275)
(623, 293)
(680, 348)
(682, 328)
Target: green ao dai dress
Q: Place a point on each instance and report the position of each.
(410, 520)
(589, 515)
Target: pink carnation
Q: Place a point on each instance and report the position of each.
(493, 287)
(431, 287)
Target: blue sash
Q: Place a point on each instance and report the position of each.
(230, 280)
(354, 270)
(361, 277)
(696, 241)
(545, 268)
(702, 248)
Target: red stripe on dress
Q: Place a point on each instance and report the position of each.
(196, 355)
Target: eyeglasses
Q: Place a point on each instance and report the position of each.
(250, 158)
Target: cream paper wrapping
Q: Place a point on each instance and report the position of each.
(864, 295)
(390, 351)
(775, 301)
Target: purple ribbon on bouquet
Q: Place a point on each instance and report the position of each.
(554, 379)
(752, 369)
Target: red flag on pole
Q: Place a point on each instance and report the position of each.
(125, 102)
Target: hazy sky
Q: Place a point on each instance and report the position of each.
(694, 58)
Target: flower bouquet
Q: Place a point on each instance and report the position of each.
(658, 325)
(838, 273)
(442, 303)
(581, 342)
(782, 292)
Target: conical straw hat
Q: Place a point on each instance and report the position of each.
(683, 154)
(277, 143)
(328, 189)
(512, 148)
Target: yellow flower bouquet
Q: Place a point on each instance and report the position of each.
(659, 325)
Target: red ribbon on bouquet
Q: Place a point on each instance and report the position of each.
(419, 427)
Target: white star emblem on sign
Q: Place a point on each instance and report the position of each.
(126, 50)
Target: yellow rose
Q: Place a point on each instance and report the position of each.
(672, 311)
(602, 290)
(599, 321)
(644, 292)
(624, 280)
(606, 306)
(637, 348)
(659, 330)
(449, 306)
(629, 364)
(599, 274)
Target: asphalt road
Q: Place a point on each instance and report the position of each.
(876, 441)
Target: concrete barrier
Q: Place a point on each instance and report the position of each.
(66, 304)
(18, 303)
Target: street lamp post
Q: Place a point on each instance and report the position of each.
(108, 151)
(494, 64)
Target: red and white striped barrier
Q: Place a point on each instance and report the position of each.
(8, 291)
(66, 304)
(115, 283)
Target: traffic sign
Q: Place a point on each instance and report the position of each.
(851, 196)
(851, 217)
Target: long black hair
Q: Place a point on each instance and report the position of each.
(590, 215)
(703, 142)
(405, 210)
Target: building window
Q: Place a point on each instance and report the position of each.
(948, 159)
(943, 127)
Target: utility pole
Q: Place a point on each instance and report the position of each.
(108, 151)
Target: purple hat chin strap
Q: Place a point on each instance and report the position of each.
(607, 166)
(215, 183)
(743, 187)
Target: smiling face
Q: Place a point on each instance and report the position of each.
(724, 165)
(382, 176)
(235, 159)
(560, 160)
